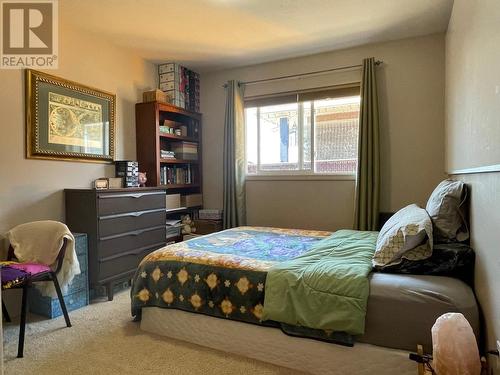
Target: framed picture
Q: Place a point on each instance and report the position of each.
(68, 121)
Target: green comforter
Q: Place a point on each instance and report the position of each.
(325, 288)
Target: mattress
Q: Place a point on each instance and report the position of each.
(402, 308)
(273, 346)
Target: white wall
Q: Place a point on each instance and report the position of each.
(473, 137)
(32, 189)
(411, 95)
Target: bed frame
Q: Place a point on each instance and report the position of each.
(271, 345)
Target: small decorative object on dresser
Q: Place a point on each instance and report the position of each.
(115, 182)
(142, 179)
(101, 183)
(123, 226)
(77, 293)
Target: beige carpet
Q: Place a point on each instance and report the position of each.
(104, 340)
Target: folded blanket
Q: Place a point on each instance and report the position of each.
(327, 287)
(40, 242)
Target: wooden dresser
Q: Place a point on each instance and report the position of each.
(122, 225)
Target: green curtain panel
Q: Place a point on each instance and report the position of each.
(368, 177)
(234, 157)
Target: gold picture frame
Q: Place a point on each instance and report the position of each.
(66, 120)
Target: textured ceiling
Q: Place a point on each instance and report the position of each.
(215, 34)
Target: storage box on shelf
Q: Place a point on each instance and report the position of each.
(210, 214)
(172, 201)
(181, 85)
(76, 294)
(207, 226)
(192, 200)
(155, 95)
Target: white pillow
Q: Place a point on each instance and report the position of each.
(407, 234)
(446, 207)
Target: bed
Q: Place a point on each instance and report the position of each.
(178, 289)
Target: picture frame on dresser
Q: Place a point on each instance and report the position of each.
(122, 227)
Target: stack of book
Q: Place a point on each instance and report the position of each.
(176, 175)
(181, 85)
(173, 228)
(185, 150)
(164, 154)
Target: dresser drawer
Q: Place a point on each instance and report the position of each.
(122, 243)
(130, 221)
(111, 204)
(122, 264)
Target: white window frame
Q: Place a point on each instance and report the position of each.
(301, 174)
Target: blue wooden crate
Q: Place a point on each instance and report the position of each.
(76, 294)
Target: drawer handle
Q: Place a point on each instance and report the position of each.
(133, 233)
(133, 252)
(135, 214)
(130, 195)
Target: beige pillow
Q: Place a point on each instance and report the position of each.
(407, 234)
(446, 207)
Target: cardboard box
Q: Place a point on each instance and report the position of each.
(115, 182)
(192, 200)
(172, 201)
(207, 226)
(190, 236)
(155, 96)
(168, 67)
(170, 86)
(185, 150)
(210, 214)
(170, 76)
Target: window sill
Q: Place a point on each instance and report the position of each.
(301, 177)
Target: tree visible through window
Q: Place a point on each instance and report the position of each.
(319, 136)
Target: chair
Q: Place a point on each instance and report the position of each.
(35, 272)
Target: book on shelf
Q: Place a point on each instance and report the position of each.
(164, 154)
(176, 175)
(173, 222)
(185, 150)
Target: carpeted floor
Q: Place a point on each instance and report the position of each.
(104, 340)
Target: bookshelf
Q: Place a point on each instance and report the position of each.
(184, 174)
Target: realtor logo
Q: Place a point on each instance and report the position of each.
(29, 34)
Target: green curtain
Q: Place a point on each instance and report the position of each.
(368, 177)
(234, 157)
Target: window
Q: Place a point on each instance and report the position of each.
(317, 136)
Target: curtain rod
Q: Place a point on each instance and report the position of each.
(378, 62)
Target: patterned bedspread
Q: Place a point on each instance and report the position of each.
(223, 275)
